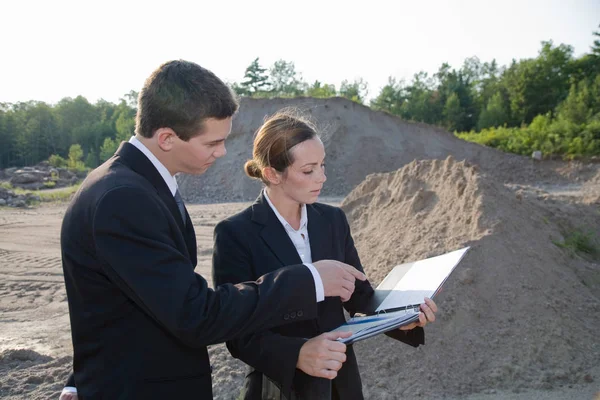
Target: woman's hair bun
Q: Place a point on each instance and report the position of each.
(252, 170)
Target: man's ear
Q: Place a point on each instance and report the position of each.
(272, 175)
(165, 138)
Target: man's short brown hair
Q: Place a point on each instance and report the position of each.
(181, 95)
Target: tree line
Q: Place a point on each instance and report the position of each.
(74, 132)
(549, 103)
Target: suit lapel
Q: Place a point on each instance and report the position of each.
(278, 241)
(319, 234)
(190, 238)
(138, 162)
(273, 233)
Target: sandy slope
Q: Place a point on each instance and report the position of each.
(35, 336)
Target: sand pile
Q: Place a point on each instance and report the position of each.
(358, 142)
(517, 313)
(27, 374)
(591, 190)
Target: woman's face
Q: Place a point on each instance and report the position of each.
(303, 180)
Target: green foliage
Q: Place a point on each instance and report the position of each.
(596, 45)
(582, 102)
(38, 132)
(455, 93)
(238, 89)
(255, 78)
(31, 132)
(453, 113)
(319, 90)
(391, 97)
(423, 102)
(91, 160)
(355, 91)
(57, 195)
(559, 99)
(57, 161)
(125, 125)
(283, 80)
(75, 156)
(130, 99)
(484, 95)
(108, 148)
(494, 114)
(582, 242)
(7, 136)
(536, 86)
(54, 195)
(554, 138)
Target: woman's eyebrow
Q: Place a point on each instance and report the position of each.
(312, 163)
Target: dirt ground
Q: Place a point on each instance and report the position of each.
(35, 342)
(519, 318)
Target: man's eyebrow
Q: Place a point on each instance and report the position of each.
(216, 141)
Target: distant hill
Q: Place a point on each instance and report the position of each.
(358, 141)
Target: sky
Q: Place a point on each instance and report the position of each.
(102, 50)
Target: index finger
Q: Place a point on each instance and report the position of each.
(356, 273)
(431, 304)
(336, 335)
(337, 347)
(409, 326)
(422, 319)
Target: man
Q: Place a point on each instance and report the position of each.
(140, 317)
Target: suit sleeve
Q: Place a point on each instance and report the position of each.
(363, 292)
(140, 255)
(71, 380)
(270, 353)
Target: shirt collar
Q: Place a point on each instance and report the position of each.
(164, 172)
(303, 214)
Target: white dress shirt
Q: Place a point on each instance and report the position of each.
(164, 172)
(300, 240)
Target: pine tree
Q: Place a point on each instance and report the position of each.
(255, 78)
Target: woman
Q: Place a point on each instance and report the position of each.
(285, 226)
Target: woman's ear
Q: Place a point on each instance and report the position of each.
(165, 138)
(271, 175)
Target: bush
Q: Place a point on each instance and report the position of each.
(552, 137)
(581, 242)
(57, 161)
(75, 157)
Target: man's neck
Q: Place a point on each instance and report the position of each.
(157, 152)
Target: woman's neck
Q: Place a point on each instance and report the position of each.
(289, 209)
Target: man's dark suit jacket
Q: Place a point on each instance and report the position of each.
(140, 317)
(253, 243)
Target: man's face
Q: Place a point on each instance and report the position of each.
(199, 153)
